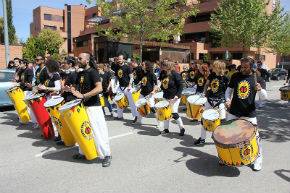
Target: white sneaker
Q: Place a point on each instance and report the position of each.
(35, 126)
(258, 164)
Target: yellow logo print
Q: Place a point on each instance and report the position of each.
(192, 74)
(183, 76)
(200, 81)
(165, 83)
(120, 73)
(243, 89)
(144, 81)
(214, 85)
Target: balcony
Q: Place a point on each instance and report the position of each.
(196, 27)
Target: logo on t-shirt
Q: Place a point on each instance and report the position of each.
(120, 73)
(200, 81)
(192, 74)
(215, 85)
(101, 79)
(165, 83)
(46, 82)
(243, 89)
(134, 74)
(183, 76)
(144, 81)
(22, 78)
(81, 81)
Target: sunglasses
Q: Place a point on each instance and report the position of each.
(80, 58)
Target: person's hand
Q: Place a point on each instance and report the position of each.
(175, 98)
(27, 84)
(108, 89)
(67, 88)
(34, 91)
(12, 80)
(41, 87)
(77, 94)
(228, 104)
(16, 84)
(258, 87)
(129, 87)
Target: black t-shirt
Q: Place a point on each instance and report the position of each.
(148, 81)
(264, 73)
(184, 75)
(105, 79)
(123, 73)
(191, 75)
(85, 82)
(26, 76)
(243, 102)
(50, 81)
(41, 76)
(200, 82)
(115, 67)
(218, 86)
(137, 74)
(69, 79)
(172, 86)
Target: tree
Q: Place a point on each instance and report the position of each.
(32, 49)
(243, 22)
(50, 41)
(1, 30)
(11, 28)
(144, 19)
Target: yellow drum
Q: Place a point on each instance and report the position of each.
(121, 100)
(285, 93)
(102, 100)
(158, 97)
(135, 94)
(58, 121)
(16, 95)
(210, 119)
(185, 94)
(195, 106)
(236, 142)
(143, 107)
(163, 110)
(78, 121)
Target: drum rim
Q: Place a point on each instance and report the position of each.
(34, 96)
(65, 106)
(12, 88)
(201, 97)
(161, 102)
(281, 89)
(236, 145)
(207, 110)
(46, 106)
(158, 93)
(137, 104)
(120, 93)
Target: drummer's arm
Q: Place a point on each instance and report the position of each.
(228, 96)
(97, 90)
(109, 86)
(261, 85)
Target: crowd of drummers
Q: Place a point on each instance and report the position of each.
(220, 97)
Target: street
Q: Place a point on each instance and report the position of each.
(143, 160)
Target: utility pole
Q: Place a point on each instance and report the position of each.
(6, 32)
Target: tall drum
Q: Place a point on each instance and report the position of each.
(36, 103)
(16, 95)
(58, 121)
(77, 119)
(236, 142)
(285, 93)
(195, 106)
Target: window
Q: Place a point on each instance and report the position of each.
(199, 18)
(82, 43)
(217, 56)
(237, 56)
(47, 17)
(50, 27)
(94, 15)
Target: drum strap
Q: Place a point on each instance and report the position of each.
(215, 102)
(123, 88)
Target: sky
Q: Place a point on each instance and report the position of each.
(23, 9)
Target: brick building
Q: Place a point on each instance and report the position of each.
(15, 51)
(77, 28)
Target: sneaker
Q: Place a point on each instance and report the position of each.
(221, 163)
(135, 119)
(58, 138)
(78, 156)
(199, 141)
(182, 132)
(117, 118)
(60, 143)
(107, 161)
(258, 164)
(35, 126)
(165, 131)
(112, 114)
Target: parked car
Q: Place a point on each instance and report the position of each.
(5, 76)
(278, 74)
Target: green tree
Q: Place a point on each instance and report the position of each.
(1, 30)
(144, 19)
(49, 40)
(243, 22)
(11, 28)
(32, 49)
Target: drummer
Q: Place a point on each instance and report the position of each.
(137, 72)
(149, 86)
(88, 86)
(192, 73)
(184, 74)
(171, 85)
(105, 76)
(125, 78)
(215, 89)
(244, 86)
(69, 77)
(25, 75)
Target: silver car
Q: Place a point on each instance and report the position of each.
(5, 76)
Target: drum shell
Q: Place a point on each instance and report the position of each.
(123, 102)
(77, 120)
(209, 125)
(135, 95)
(16, 96)
(61, 125)
(157, 100)
(144, 110)
(194, 111)
(234, 156)
(285, 95)
(42, 116)
(102, 100)
(164, 113)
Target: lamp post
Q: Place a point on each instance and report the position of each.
(6, 32)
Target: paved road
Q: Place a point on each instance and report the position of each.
(143, 161)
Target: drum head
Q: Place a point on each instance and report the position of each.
(158, 95)
(33, 96)
(161, 104)
(196, 100)
(187, 92)
(119, 96)
(285, 88)
(210, 115)
(234, 133)
(13, 88)
(55, 100)
(141, 102)
(70, 105)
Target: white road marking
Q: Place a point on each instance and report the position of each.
(53, 150)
